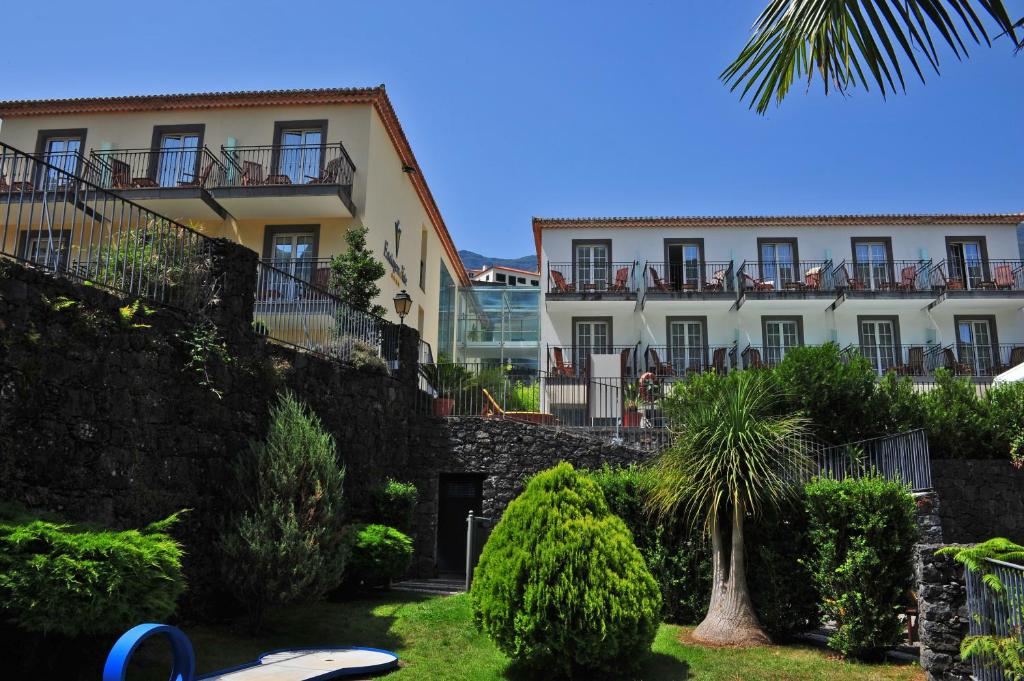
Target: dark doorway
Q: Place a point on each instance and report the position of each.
(458, 495)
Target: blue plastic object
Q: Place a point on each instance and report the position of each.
(184, 666)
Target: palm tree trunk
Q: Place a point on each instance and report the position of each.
(718, 566)
(731, 619)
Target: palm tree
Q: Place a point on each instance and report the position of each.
(851, 42)
(732, 457)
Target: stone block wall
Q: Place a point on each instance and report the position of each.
(981, 499)
(943, 617)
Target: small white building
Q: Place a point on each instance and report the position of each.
(682, 294)
(509, 276)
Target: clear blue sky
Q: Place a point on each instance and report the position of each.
(565, 108)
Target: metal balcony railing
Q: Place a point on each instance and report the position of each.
(316, 271)
(981, 360)
(126, 169)
(690, 277)
(615, 277)
(763, 356)
(570, 360)
(298, 164)
(905, 360)
(803, 276)
(890, 275)
(21, 173)
(978, 275)
(668, 360)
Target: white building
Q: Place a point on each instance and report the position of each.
(509, 276)
(681, 294)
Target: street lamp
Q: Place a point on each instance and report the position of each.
(403, 303)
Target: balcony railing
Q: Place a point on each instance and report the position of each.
(569, 360)
(982, 360)
(668, 360)
(691, 277)
(805, 276)
(900, 276)
(126, 169)
(978, 275)
(29, 175)
(569, 278)
(763, 356)
(299, 164)
(905, 360)
(316, 271)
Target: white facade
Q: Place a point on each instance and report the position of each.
(900, 289)
(506, 275)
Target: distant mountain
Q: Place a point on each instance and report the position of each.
(475, 261)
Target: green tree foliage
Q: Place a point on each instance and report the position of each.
(560, 585)
(836, 392)
(58, 579)
(354, 274)
(380, 554)
(858, 43)
(1006, 652)
(862, 533)
(286, 543)
(956, 420)
(1005, 421)
(394, 503)
(678, 559)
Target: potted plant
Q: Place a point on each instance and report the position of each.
(631, 406)
(446, 380)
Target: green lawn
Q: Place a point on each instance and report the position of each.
(436, 639)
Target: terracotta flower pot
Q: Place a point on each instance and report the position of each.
(631, 419)
(444, 406)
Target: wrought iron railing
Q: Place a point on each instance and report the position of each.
(669, 360)
(902, 457)
(126, 169)
(612, 277)
(900, 276)
(298, 164)
(72, 227)
(905, 360)
(995, 613)
(690, 277)
(978, 275)
(571, 360)
(763, 356)
(295, 312)
(316, 271)
(804, 276)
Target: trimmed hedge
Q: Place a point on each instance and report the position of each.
(58, 579)
(862, 533)
(379, 555)
(394, 504)
(560, 586)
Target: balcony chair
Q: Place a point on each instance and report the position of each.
(915, 362)
(951, 283)
(120, 174)
(200, 180)
(852, 283)
(1003, 275)
(562, 368)
(953, 364)
(750, 282)
(660, 368)
(252, 173)
(717, 282)
(659, 285)
(718, 361)
(908, 278)
(329, 175)
(754, 359)
(491, 409)
(812, 278)
(621, 281)
(1016, 357)
(561, 284)
(624, 358)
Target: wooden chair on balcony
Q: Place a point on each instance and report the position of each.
(624, 362)
(659, 285)
(491, 409)
(1003, 277)
(252, 173)
(953, 364)
(200, 179)
(120, 174)
(718, 361)
(753, 284)
(329, 175)
(908, 278)
(621, 282)
(562, 368)
(852, 283)
(561, 284)
(915, 362)
(812, 278)
(660, 368)
(1016, 357)
(754, 359)
(717, 282)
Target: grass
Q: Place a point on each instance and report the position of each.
(436, 639)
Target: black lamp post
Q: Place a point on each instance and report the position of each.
(403, 303)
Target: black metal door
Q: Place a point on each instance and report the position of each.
(458, 495)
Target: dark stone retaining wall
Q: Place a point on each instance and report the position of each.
(506, 453)
(981, 499)
(943, 618)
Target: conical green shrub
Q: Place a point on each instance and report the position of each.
(560, 584)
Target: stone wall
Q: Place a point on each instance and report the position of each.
(943, 618)
(506, 453)
(981, 499)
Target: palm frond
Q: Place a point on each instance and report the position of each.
(844, 41)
